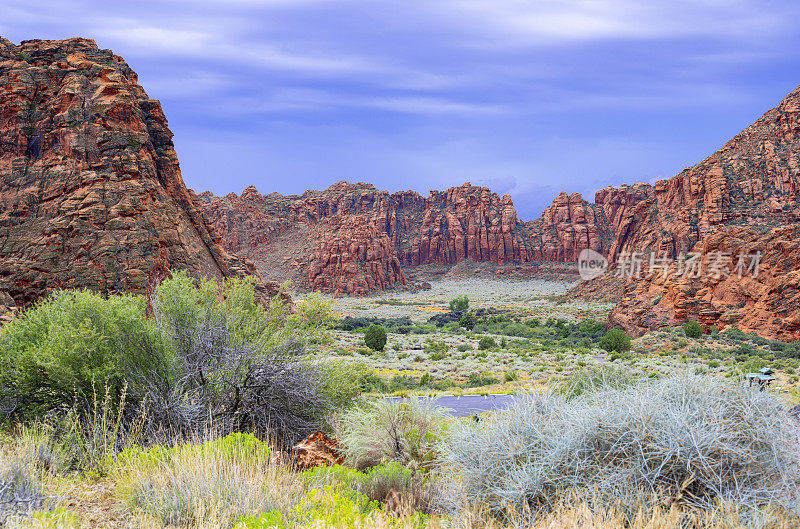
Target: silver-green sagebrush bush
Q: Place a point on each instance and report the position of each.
(685, 439)
(377, 431)
(205, 484)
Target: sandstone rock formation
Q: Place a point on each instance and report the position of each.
(91, 194)
(566, 227)
(354, 239)
(767, 303)
(743, 199)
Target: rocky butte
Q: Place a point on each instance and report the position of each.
(741, 200)
(91, 193)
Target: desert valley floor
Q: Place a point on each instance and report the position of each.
(539, 337)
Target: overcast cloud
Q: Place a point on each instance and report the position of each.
(528, 97)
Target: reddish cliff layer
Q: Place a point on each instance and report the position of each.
(91, 193)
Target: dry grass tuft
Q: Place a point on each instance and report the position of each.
(193, 486)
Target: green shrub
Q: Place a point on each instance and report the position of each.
(378, 483)
(591, 326)
(331, 506)
(516, 329)
(375, 337)
(753, 365)
(476, 380)
(435, 346)
(791, 350)
(693, 329)
(467, 321)
(510, 376)
(486, 342)
(616, 340)
(341, 381)
(71, 344)
(460, 304)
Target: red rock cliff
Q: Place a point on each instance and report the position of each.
(743, 199)
(353, 238)
(91, 193)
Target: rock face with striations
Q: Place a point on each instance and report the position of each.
(353, 238)
(91, 193)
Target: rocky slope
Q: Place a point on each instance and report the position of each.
(741, 200)
(91, 193)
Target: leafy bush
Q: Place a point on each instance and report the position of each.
(467, 321)
(486, 342)
(235, 361)
(436, 349)
(476, 381)
(375, 337)
(341, 381)
(460, 304)
(68, 345)
(697, 440)
(591, 326)
(331, 506)
(693, 329)
(378, 483)
(616, 340)
(791, 350)
(382, 430)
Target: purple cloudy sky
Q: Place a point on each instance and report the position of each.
(526, 97)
